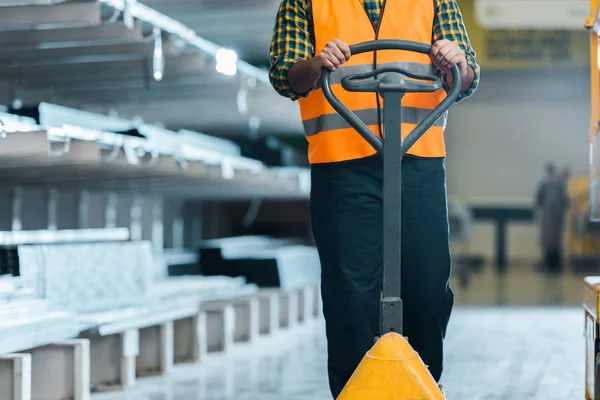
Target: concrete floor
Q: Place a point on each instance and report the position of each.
(521, 285)
(516, 353)
(492, 353)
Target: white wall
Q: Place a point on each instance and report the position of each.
(499, 141)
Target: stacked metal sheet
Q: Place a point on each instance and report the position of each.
(199, 288)
(169, 299)
(264, 261)
(9, 261)
(88, 277)
(27, 321)
(215, 252)
(101, 286)
(178, 262)
(36, 329)
(286, 267)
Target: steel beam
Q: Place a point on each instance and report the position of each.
(92, 59)
(63, 70)
(122, 91)
(127, 90)
(65, 14)
(7, 3)
(69, 36)
(16, 57)
(132, 93)
(125, 66)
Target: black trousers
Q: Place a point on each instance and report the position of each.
(347, 218)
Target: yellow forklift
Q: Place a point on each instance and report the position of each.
(591, 302)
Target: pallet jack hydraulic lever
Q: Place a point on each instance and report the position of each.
(391, 83)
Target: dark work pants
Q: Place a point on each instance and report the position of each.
(347, 218)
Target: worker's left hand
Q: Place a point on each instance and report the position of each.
(446, 54)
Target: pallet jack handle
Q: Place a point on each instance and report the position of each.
(399, 86)
(392, 86)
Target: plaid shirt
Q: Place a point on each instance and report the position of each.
(293, 39)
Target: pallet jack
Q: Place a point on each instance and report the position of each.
(391, 370)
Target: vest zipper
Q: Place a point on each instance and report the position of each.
(379, 117)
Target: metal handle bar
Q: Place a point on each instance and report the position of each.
(423, 126)
(359, 82)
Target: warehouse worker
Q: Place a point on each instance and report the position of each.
(565, 175)
(346, 194)
(552, 203)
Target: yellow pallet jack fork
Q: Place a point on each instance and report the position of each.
(391, 370)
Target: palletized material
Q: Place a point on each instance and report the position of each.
(34, 330)
(285, 267)
(89, 277)
(202, 287)
(213, 252)
(264, 261)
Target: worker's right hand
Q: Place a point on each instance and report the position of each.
(334, 55)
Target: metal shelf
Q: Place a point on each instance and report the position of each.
(164, 162)
(18, 238)
(123, 55)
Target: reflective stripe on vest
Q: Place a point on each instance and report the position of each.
(329, 122)
(330, 139)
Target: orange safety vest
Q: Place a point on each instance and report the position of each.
(330, 137)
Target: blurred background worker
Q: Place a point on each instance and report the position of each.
(552, 203)
(566, 177)
(346, 198)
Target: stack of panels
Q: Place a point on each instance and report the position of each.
(181, 262)
(9, 261)
(88, 277)
(286, 267)
(215, 252)
(20, 306)
(27, 322)
(18, 333)
(168, 298)
(11, 286)
(15, 298)
(275, 264)
(10, 121)
(199, 289)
